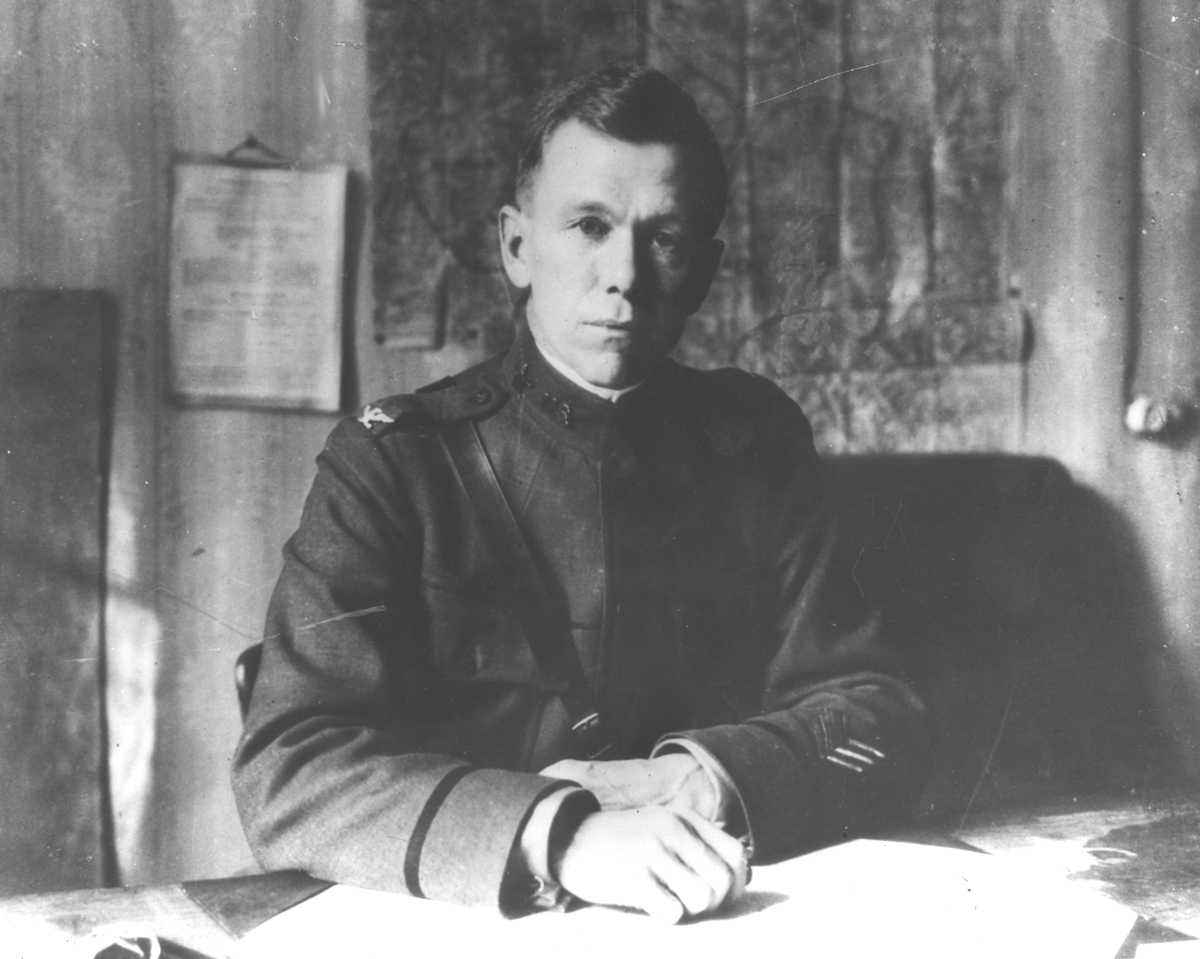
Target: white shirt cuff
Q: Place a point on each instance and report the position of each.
(729, 798)
(545, 893)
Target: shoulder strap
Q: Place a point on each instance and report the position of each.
(546, 627)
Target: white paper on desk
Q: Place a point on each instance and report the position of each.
(1182, 949)
(864, 898)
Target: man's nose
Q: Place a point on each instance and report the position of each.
(622, 265)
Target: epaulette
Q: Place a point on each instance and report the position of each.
(439, 404)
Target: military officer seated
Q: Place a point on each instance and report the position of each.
(571, 626)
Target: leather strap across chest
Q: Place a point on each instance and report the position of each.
(547, 626)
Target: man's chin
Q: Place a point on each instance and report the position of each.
(611, 373)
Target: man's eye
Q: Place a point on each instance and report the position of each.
(667, 241)
(592, 227)
(669, 245)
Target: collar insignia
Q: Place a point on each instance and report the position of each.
(373, 416)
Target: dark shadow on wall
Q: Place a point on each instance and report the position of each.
(1024, 611)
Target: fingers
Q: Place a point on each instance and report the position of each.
(731, 849)
(697, 887)
(666, 863)
(661, 904)
(700, 865)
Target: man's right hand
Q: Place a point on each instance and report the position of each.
(668, 863)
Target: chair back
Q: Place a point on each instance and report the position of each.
(245, 672)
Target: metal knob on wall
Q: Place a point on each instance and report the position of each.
(1158, 419)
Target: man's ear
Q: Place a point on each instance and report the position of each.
(704, 269)
(512, 227)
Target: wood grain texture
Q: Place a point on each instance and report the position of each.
(1069, 236)
(167, 911)
(231, 482)
(55, 360)
(83, 195)
(11, 58)
(1137, 849)
(1166, 342)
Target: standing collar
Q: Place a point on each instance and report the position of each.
(604, 392)
(530, 374)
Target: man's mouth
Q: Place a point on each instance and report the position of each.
(623, 326)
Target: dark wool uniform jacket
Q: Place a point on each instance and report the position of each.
(400, 714)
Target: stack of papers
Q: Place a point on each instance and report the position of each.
(863, 898)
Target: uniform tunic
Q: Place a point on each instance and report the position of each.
(682, 536)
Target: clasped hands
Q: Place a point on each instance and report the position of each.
(655, 845)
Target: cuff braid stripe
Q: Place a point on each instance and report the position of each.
(412, 856)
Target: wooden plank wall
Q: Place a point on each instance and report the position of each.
(231, 481)
(1102, 219)
(1163, 486)
(879, 220)
(80, 187)
(95, 99)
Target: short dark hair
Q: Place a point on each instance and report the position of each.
(637, 105)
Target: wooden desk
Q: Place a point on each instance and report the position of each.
(205, 916)
(1139, 850)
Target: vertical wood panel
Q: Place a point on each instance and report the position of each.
(81, 208)
(1069, 234)
(232, 481)
(1165, 482)
(12, 60)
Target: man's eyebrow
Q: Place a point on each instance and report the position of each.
(584, 207)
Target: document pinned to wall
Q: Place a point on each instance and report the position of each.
(256, 288)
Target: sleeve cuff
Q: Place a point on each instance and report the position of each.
(731, 808)
(549, 828)
(535, 839)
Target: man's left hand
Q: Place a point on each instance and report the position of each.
(675, 780)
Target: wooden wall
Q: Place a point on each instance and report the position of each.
(1105, 222)
(1017, 160)
(81, 176)
(1161, 490)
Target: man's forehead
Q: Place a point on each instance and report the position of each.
(580, 164)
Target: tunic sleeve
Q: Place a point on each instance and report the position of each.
(341, 769)
(840, 742)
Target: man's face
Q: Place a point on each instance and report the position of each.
(610, 252)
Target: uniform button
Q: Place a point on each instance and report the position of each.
(481, 396)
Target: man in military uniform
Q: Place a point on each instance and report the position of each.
(572, 623)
